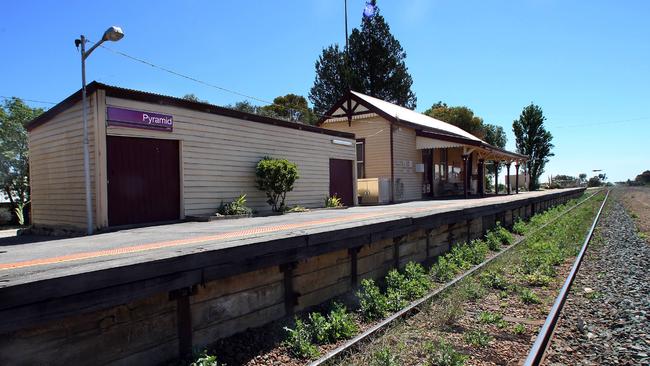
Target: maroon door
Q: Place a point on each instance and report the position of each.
(143, 180)
(341, 180)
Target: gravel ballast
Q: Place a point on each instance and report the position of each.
(606, 319)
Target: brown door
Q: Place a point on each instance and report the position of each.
(143, 180)
(341, 180)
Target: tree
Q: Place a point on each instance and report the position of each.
(495, 136)
(276, 177)
(376, 67)
(460, 116)
(244, 106)
(291, 107)
(533, 140)
(594, 181)
(643, 178)
(193, 98)
(582, 178)
(14, 162)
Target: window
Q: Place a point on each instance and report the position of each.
(361, 158)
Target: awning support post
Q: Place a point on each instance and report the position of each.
(465, 174)
(481, 174)
(496, 177)
(517, 177)
(508, 175)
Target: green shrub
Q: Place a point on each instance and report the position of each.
(204, 359)
(395, 281)
(494, 279)
(450, 311)
(443, 354)
(319, 328)
(372, 303)
(403, 287)
(519, 329)
(417, 283)
(503, 234)
(385, 357)
(529, 297)
(333, 201)
(341, 324)
(236, 207)
(537, 279)
(476, 252)
(458, 256)
(519, 227)
(477, 338)
(488, 317)
(493, 241)
(473, 290)
(299, 341)
(444, 270)
(276, 177)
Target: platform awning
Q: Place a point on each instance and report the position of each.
(422, 143)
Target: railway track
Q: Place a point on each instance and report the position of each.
(541, 343)
(538, 351)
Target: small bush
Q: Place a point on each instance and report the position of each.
(236, 207)
(372, 303)
(493, 241)
(478, 250)
(444, 270)
(443, 354)
(529, 297)
(494, 280)
(341, 324)
(458, 256)
(333, 201)
(204, 359)
(450, 311)
(417, 282)
(488, 317)
(519, 329)
(385, 357)
(299, 341)
(319, 328)
(276, 177)
(503, 234)
(297, 208)
(537, 279)
(519, 227)
(473, 290)
(477, 338)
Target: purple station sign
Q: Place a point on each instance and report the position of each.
(139, 119)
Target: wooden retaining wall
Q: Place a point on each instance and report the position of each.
(155, 329)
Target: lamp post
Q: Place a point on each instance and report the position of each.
(113, 34)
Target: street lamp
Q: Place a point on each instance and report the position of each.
(113, 34)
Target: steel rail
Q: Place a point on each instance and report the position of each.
(415, 304)
(537, 352)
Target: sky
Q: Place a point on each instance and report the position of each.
(586, 63)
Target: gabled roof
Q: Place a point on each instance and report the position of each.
(362, 105)
(117, 92)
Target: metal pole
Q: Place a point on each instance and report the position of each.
(84, 103)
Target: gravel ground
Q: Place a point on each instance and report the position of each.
(606, 319)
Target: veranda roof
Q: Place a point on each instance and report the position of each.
(432, 132)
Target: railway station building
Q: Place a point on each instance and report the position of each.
(156, 158)
(403, 155)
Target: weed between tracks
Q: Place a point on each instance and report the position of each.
(489, 317)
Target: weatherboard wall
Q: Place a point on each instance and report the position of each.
(219, 155)
(57, 168)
